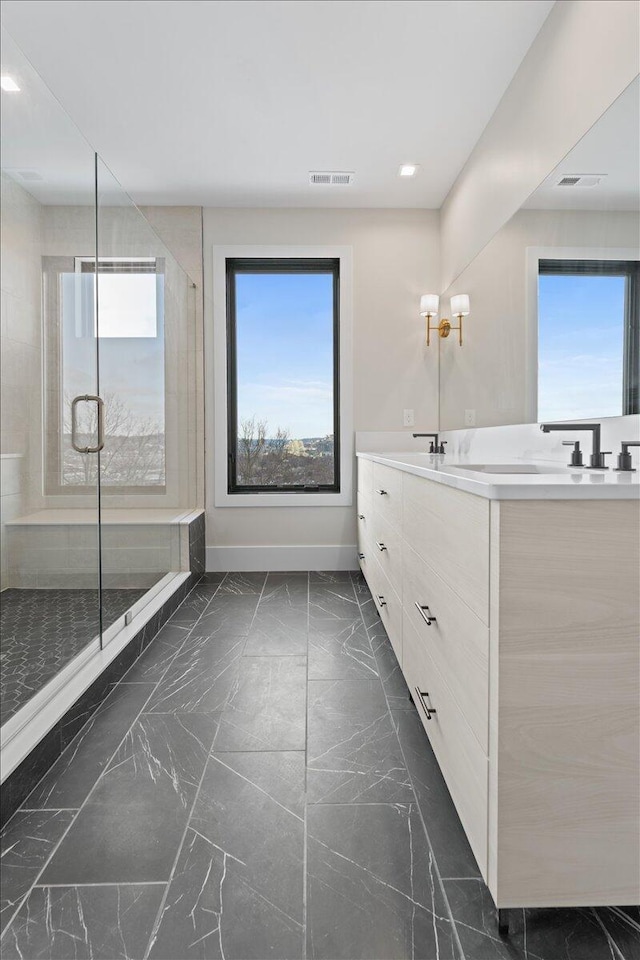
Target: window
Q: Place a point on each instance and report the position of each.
(283, 391)
(588, 338)
(131, 372)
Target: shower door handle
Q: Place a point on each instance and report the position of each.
(88, 398)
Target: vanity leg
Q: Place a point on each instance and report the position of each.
(502, 919)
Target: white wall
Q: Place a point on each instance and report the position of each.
(395, 259)
(20, 349)
(584, 56)
(492, 372)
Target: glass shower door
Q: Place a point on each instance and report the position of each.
(140, 538)
(50, 571)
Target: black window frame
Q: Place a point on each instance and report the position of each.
(630, 270)
(282, 265)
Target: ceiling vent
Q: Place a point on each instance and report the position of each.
(331, 178)
(580, 180)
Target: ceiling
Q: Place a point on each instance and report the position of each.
(227, 103)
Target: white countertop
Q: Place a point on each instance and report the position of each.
(552, 481)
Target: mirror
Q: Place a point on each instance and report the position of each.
(553, 331)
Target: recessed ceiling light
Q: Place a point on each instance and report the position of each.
(9, 85)
(408, 170)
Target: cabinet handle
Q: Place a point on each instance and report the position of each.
(361, 516)
(361, 556)
(381, 600)
(425, 613)
(380, 545)
(427, 709)
(383, 493)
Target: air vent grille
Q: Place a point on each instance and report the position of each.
(331, 178)
(580, 180)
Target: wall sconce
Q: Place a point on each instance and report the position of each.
(429, 304)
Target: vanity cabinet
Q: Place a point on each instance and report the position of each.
(516, 625)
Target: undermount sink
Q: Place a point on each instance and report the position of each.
(509, 468)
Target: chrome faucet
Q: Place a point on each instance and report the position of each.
(596, 460)
(434, 446)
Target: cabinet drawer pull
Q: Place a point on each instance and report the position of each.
(425, 613)
(381, 546)
(381, 600)
(361, 516)
(429, 711)
(361, 556)
(383, 493)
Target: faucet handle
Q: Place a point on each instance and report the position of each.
(576, 456)
(624, 457)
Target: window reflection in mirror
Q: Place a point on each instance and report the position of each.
(561, 342)
(588, 338)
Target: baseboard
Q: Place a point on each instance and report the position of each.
(334, 557)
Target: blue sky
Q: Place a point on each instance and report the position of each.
(285, 351)
(580, 346)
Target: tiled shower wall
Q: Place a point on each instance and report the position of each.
(20, 349)
(59, 556)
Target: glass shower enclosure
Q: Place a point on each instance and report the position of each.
(98, 433)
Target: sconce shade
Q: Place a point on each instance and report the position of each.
(429, 303)
(460, 305)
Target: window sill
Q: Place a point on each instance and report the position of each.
(225, 499)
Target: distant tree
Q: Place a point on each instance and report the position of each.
(251, 443)
(133, 454)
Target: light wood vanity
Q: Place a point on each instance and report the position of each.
(516, 623)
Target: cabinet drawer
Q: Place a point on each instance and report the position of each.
(463, 763)
(386, 543)
(387, 602)
(365, 477)
(456, 640)
(387, 493)
(450, 530)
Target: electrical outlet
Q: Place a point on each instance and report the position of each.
(469, 418)
(408, 418)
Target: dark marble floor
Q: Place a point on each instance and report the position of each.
(42, 630)
(260, 786)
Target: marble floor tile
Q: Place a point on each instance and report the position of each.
(267, 709)
(622, 924)
(353, 754)
(534, 934)
(333, 601)
(229, 614)
(28, 840)
(237, 890)
(201, 676)
(131, 828)
(241, 583)
(448, 839)
(154, 660)
(72, 777)
(390, 672)
(286, 589)
(340, 650)
(83, 923)
(193, 606)
(279, 629)
(329, 576)
(373, 891)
